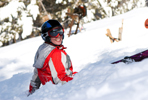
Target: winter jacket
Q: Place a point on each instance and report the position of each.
(53, 64)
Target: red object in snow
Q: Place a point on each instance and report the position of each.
(146, 23)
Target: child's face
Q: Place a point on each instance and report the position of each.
(57, 40)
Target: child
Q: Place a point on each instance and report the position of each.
(51, 61)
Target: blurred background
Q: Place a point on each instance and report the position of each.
(22, 19)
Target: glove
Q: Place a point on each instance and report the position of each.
(128, 60)
(31, 90)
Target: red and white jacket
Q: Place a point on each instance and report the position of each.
(53, 64)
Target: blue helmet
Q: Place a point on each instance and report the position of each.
(48, 25)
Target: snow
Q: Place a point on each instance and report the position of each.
(34, 9)
(91, 53)
(10, 9)
(26, 21)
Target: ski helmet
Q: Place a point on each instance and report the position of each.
(47, 26)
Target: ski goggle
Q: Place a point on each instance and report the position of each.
(55, 32)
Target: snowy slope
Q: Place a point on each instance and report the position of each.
(91, 53)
